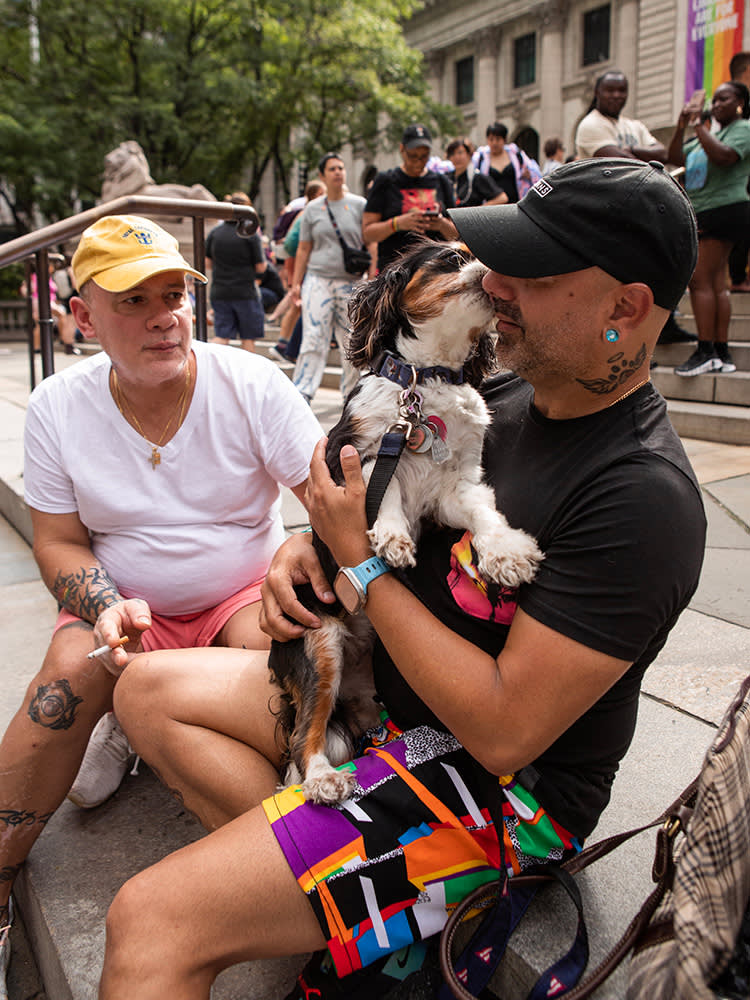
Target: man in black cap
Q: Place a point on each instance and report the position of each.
(408, 201)
(497, 701)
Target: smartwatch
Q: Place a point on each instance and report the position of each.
(351, 582)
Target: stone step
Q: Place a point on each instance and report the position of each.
(710, 421)
(331, 375)
(729, 390)
(739, 325)
(670, 355)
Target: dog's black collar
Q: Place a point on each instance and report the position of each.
(393, 368)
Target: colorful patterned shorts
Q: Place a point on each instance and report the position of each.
(384, 869)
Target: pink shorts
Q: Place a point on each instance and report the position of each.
(187, 631)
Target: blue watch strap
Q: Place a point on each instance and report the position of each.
(370, 570)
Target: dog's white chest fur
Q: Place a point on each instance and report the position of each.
(450, 492)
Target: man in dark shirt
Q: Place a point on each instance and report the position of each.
(497, 701)
(235, 262)
(408, 201)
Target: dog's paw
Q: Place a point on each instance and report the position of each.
(328, 787)
(511, 558)
(396, 549)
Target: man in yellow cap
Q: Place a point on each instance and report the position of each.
(152, 472)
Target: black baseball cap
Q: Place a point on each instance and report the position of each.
(416, 135)
(631, 219)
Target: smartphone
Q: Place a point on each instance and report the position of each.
(697, 101)
(431, 213)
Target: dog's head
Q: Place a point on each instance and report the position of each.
(428, 308)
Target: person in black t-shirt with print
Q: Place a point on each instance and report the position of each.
(408, 201)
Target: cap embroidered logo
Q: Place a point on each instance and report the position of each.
(542, 188)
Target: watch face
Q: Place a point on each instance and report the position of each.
(347, 593)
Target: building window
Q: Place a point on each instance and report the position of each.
(524, 60)
(596, 35)
(465, 80)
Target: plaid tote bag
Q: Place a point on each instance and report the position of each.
(691, 938)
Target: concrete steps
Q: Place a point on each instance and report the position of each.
(709, 407)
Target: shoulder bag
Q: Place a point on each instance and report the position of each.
(356, 260)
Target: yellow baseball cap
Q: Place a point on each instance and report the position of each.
(118, 252)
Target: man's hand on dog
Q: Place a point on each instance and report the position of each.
(338, 515)
(295, 562)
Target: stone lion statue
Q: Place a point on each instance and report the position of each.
(126, 172)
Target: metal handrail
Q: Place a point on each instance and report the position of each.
(37, 244)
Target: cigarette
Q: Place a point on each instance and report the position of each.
(106, 649)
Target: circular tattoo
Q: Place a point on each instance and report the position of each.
(53, 706)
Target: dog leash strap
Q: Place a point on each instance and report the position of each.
(391, 447)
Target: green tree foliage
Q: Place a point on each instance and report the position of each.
(213, 90)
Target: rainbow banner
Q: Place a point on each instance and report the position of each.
(714, 35)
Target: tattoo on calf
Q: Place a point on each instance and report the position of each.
(23, 817)
(85, 593)
(177, 794)
(620, 371)
(53, 706)
(9, 872)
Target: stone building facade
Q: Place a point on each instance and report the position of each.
(532, 64)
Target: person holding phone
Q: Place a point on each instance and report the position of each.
(408, 201)
(717, 165)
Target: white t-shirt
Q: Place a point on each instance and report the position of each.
(597, 130)
(206, 521)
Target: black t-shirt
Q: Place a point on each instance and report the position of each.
(615, 507)
(394, 193)
(233, 258)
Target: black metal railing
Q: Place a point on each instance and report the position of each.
(36, 245)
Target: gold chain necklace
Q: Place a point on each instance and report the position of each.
(628, 393)
(155, 458)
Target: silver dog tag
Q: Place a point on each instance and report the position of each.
(440, 450)
(428, 441)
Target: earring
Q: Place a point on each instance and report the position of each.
(612, 336)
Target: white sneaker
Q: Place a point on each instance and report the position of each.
(104, 764)
(5, 952)
(276, 353)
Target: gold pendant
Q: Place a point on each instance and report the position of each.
(155, 457)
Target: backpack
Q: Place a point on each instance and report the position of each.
(691, 936)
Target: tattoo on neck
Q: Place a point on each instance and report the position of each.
(620, 370)
(85, 593)
(54, 705)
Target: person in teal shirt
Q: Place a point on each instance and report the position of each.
(717, 165)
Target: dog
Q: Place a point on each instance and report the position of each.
(422, 334)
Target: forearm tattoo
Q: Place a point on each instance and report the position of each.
(23, 817)
(86, 593)
(620, 371)
(54, 705)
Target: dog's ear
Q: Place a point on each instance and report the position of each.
(482, 361)
(376, 316)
